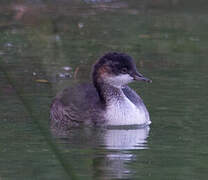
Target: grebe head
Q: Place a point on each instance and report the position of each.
(116, 69)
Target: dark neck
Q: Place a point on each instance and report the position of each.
(107, 92)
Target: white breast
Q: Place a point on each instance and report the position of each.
(124, 112)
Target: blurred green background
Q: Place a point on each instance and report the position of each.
(48, 45)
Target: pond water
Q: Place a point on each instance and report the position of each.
(48, 45)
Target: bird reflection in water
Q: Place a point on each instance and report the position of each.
(113, 149)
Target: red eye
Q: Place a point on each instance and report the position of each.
(124, 70)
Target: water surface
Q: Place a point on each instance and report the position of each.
(48, 45)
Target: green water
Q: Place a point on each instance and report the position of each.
(169, 41)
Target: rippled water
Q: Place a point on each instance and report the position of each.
(48, 45)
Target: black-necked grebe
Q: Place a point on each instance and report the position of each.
(108, 101)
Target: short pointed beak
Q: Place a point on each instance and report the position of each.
(139, 77)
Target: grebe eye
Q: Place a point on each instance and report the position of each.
(124, 70)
